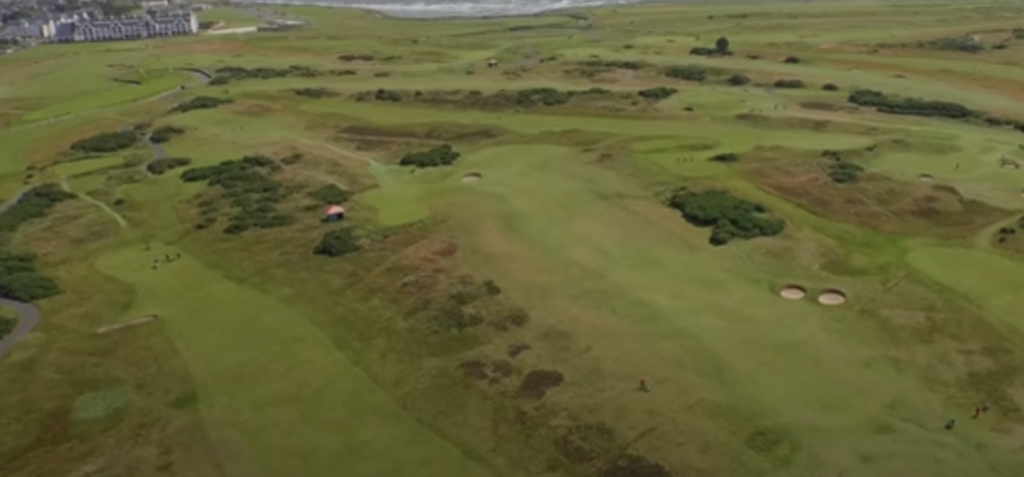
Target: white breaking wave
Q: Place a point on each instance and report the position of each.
(469, 8)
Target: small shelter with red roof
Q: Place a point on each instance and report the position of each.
(334, 213)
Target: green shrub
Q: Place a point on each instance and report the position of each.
(963, 43)
(657, 94)
(228, 74)
(738, 80)
(253, 196)
(791, 60)
(617, 64)
(159, 166)
(442, 155)
(165, 133)
(33, 204)
(829, 87)
(909, 106)
(315, 92)
(330, 194)
(789, 83)
(687, 72)
(843, 172)
(201, 102)
(291, 159)
(106, 142)
(356, 57)
(7, 325)
(724, 157)
(27, 286)
(336, 243)
(729, 217)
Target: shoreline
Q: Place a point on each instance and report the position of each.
(424, 15)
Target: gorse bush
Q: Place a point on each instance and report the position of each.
(738, 80)
(159, 166)
(252, 196)
(687, 72)
(728, 216)
(909, 106)
(201, 102)
(33, 204)
(19, 279)
(330, 194)
(106, 142)
(617, 64)
(789, 83)
(315, 92)
(843, 172)
(724, 157)
(657, 94)
(442, 155)
(336, 243)
(165, 133)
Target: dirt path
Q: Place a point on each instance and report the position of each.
(28, 314)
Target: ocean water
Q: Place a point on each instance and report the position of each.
(453, 8)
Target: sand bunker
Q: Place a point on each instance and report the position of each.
(793, 292)
(832, 298)
(137, 321)
(926, 177)
(472, 177)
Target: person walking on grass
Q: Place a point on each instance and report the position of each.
(643, 385)
(977, 412)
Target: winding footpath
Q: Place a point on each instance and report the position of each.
(29, 314)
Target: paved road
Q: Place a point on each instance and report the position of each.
(29, 314)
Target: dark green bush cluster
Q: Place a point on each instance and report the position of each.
(33, 204)
(19, 279)
(442, 155)
(106, 142)
(315, 92)
(616, 64)
(330, 194)
(657, 94)
(829, 87)
(705, 51)
(232, 73)
(959, 43)
(356, 57)
(789, 83)
(738, 80)
(336, 243)
(159, 166)
(729, 217)
(165, 133)
(251, 194)
(291, 159)
(687, 72)
(843, 172)
(792, 60)
(724, 157)
(201, 102)
(909, 106)
(1008, 231)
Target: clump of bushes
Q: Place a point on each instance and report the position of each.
(442, 155)
(106, 142)
(687, 72)
(19, 280)
(7, 325)
(201, 102)
(330, 194)
(738, 80)
(724, 157)
(789, 83)
(843, 172)
(829, 87)
(33, 204)
(909, 106)
(159, 166)
(962, 43)
(165, 133)
(728, 216)
(613, 64)
(657, 94)
(251, 194)
(356, 57)
(336, 243)
(315, 92)
(228, 74)
(792, 60)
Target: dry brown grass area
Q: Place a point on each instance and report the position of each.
(875, 201)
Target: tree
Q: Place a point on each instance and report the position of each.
(722, 45)
(336, 243)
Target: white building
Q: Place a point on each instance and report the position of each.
(153, 24)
